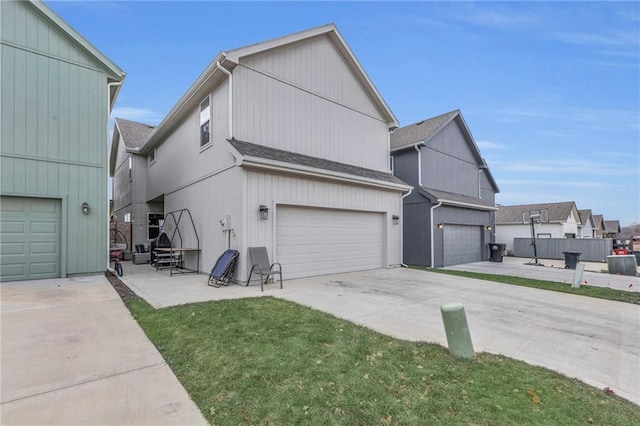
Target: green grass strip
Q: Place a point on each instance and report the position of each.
(266, 361)
(583, 290)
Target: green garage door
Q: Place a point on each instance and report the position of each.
(29, 238)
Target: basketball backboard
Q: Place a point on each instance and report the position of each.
(538, 216)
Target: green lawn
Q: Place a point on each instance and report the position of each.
(267, 361)
(583, 290)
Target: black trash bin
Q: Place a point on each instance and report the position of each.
(571, 259)
(496, 250)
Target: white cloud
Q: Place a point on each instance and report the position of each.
(144, 115)
(572, 166)
(484, 144)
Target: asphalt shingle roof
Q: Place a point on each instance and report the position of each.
(558, 212)
(133, 134)
(598, 219)
(419, 131)
(444, 195)
(584, 216)
(261, 151)
(612, 226)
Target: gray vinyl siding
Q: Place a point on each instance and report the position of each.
(448, 163)
(417, 234)
(280, 190)
(307, 101)
(449, 215)
(54, 130)
(487, 192)
(180, 159)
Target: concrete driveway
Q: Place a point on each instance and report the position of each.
(72, 354)
(595, 340)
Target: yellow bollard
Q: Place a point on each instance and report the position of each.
(457, 330)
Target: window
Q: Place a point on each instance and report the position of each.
(205, 118)
(127, 217)
(156, 220)
(152, 156)
(130, 167)
(391, 164)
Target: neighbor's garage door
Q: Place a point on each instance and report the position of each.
(311, 241)
(29, 238)
(462, 244)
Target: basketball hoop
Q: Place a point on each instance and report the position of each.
(532, 217)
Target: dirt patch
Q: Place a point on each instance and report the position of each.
(121, 288)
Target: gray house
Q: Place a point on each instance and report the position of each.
(282, 144)
(449, 215)
(598, 221)
(138, 218)
(57, 92)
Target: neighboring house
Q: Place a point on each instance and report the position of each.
(598, 221)
(559, 220)
(57, 93)
(611, 228)
(133, 213)
(586, 228)
(449, 215)
(282, 144)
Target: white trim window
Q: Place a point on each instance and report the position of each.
(391, 164)
(127, 217)
(152, 156)
(130, 168)
(205, 122)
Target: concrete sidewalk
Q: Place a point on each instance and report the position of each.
(72, 354)
(594, 340)
(553, 270)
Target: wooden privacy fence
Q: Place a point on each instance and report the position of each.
(592, 249)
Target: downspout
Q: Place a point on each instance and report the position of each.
(224, 70)
(402, 229)
(432, 231)
(109, 86)
(417, 148)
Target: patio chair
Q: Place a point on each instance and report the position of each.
(223, 270)
(260, 265)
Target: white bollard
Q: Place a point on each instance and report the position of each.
(577, 275)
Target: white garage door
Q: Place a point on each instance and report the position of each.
(30, 238)
(311, 241)
(462, 244)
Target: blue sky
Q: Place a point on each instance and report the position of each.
(550, 90)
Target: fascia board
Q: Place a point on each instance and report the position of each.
(261, 163)
(470, 205)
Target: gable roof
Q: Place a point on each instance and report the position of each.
(452, 199)
(251, 152)
(421, 131)
(586, 216)
(598, 220)
(114, 73)
(228, 60)
(133, 134)
(612, 226)
(558, 212)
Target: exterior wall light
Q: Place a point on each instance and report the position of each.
(85, 208)
(264, 212)
(396, 219)
(488, 227)
(441, 226)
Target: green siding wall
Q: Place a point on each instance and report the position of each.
(54, 129)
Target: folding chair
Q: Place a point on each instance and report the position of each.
(223, 270)
(260, 265)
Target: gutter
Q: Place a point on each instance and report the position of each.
(432, 243)
(228, 73)
(257, 162)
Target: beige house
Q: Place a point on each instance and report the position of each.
(283, 144)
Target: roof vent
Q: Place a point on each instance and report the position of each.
(419, 123)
